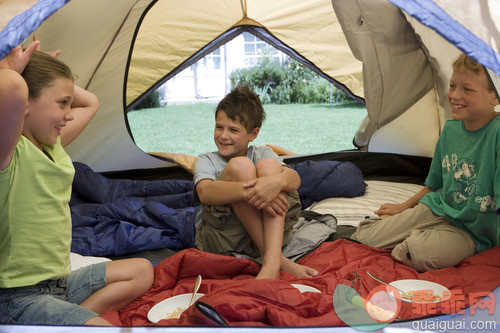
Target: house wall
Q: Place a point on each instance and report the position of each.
(208, 80)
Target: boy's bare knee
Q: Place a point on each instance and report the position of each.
(239, 168)
(268, 166)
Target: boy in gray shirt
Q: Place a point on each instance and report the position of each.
(250, 200)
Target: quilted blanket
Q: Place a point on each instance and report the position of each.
(229, 287)
(114, 217)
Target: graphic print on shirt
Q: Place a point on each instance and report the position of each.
(465, 180)
(487, 203)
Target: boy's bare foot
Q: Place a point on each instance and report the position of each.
(298, 270)
(272, 271)
(267, 272)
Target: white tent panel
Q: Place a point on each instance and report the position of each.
(415, 132)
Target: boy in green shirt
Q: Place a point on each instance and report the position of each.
(454, 216)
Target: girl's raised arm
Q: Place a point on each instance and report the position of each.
(13, 100)
(84, 106)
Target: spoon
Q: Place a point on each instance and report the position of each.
(403, 294)
(196, 287)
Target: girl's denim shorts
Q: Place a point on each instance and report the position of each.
(53, 302)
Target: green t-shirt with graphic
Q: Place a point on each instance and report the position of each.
(465, 172)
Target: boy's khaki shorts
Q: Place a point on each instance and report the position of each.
(221, 232)
(419, 238)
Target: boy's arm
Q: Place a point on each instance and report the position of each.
(84, 106)
(391, 209)
(265, 190)
(219, 192)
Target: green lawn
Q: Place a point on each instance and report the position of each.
(300, 128)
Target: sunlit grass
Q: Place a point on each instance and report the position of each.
(300, 128)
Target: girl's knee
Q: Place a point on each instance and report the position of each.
(145, 272)
(139, 270)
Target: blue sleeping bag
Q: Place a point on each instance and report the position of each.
(114, 217)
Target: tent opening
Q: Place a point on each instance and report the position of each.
(178, 116)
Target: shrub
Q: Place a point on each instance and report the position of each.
(151, 101)
(287, 82)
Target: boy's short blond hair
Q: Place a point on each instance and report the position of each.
(464, 63)
(244, 105)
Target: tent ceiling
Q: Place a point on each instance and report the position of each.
(168, 36)
(120, 48)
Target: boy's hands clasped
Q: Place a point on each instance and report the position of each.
(265, 193)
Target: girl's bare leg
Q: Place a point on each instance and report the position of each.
(126, 280)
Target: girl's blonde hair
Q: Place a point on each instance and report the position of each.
(42, 69)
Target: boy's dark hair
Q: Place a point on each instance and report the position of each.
(244, 105)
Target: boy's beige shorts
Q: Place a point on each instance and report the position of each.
(419, 238)
(221, 232)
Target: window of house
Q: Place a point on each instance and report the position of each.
(255, 48)
(213, 60)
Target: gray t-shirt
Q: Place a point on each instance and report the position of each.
(209, 165)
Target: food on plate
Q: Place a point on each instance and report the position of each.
(175, 314)
(421, 295)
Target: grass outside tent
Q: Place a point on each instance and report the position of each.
(299, 128)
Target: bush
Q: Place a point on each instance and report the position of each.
(287, 82)
(151, 101)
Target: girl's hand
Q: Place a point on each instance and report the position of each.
(17, 59)
(54, 54)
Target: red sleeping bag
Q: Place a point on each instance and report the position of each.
(229, 286)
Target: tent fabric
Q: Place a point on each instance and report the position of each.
(381, 53)
(381, 38)
(477, 35)
(25, 17)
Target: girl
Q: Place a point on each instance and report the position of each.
(41, 112)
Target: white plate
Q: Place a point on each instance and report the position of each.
(172, 307)
(303, 288)
(417, 285)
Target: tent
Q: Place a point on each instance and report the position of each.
(394, 55)
(123, 49)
